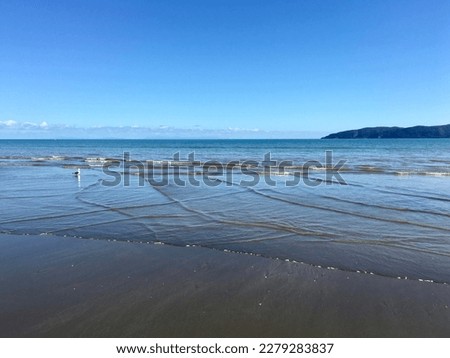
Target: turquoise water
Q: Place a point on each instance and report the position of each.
(389, 215)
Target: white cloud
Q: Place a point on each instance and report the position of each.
(14, 129)
(237, 129)
(8, 123)
(29, 125)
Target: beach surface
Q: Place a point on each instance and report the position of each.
(67, 287)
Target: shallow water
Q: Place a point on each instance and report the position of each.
(374, 223)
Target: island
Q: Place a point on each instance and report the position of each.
(442, 131)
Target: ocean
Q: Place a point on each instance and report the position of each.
(375, 207)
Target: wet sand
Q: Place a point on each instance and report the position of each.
(67, 287)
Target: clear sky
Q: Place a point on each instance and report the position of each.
(274, 68)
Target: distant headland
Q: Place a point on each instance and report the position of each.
(394, 132)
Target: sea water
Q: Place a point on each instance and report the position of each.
(382, 209)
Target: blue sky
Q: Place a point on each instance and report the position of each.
(222, 68)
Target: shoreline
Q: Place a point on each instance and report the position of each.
(65, 287)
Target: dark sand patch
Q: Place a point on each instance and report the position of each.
(65, 287)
